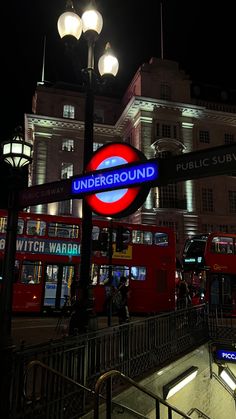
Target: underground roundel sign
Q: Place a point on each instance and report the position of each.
(118, 202)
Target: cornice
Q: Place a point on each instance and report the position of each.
(137, 104)
(37, 123)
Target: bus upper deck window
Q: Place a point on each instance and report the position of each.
(35, 228)
(222, 245)
(147, 237)
(20, 226)
(3, 224)
(137, 236)
(161, 239)
(66, 231)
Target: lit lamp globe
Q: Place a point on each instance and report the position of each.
(92, 21)
(108, 63)
(69, 23)
(17, 152)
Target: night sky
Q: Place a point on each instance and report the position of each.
(200, 35)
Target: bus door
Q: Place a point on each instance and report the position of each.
(223, 291)
(57, 284)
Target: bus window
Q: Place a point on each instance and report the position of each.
(3, 224)
(95, 232)
(141, 237)
(222, 245)
(31, 272)
(117, 272)
(138, 273)
(161, 239)
(66, 231)
(94, 274)
(147, 237)
(35, 228)
(20, 226)
(16, 271)
(195, 248)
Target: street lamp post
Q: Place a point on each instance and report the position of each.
(71, 25)
(110, 272)
(16, 152)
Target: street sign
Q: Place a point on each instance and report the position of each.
(42, 194)
(121, 190)
(198, 164)
(144, 174)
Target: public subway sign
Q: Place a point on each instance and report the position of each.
(198, 164)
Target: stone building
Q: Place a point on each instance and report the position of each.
(161, 114)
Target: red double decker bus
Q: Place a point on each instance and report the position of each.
(209, 263)
(48, 258)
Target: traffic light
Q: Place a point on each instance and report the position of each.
(121, 239)
(103, 241)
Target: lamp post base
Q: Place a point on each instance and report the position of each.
(83, 318)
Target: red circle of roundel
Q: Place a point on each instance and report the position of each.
(130, 155)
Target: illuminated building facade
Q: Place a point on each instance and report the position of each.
(161, 113)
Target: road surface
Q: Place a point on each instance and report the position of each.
(40, 329)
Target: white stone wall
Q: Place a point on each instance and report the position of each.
(203, 392)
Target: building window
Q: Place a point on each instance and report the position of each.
(69, 111)
(204, 137)
(207, 200)
(164, 154)
(166, 131)
(223, 228)
(165, 91)
(99, 116)
(96, 146)
(168, 196)
(232, 201)
(66, 170)
(232, 229)
(65, 207)
(229, 138)
(207, 228)
(67, 145)
(170, 224)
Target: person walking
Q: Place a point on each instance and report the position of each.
(183, 296)
(123, 310)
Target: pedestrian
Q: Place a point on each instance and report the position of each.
(122, 309)
(183, 295)
(109, 290)
(74, 289)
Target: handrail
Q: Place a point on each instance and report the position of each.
(199, 412)
(107, 376)
(42, 365)
(220, 381)
(37, 363)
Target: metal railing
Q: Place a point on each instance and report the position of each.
(221, 324)
(199, 413)
(159, 402)
(133, 349)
